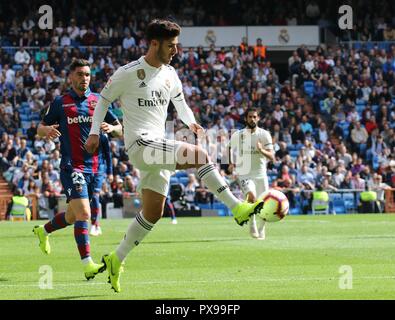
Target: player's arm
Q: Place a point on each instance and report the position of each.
(49, 125)
(115, 129)
(111, 125)
(266, 147)
(268, 153)
(185, 113)
(112, 90)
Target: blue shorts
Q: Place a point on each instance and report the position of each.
(79, 185)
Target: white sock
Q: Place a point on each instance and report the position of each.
(253, 224)
(87, 260)
(216, 184)
(261, 224)
(136, 232)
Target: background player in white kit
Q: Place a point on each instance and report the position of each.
(253, 147)
(144, 89)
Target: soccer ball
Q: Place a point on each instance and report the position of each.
(275, 206)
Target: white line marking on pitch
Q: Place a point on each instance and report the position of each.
(199, 281)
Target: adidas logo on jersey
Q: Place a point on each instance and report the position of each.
(79, 119)
(142, 85)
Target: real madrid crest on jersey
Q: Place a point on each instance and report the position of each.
(141, 74)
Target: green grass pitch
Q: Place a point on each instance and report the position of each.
(213, 258)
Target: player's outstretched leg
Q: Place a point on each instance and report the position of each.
(141, 226)
(42, 232)
(197, 157)
(242, 211)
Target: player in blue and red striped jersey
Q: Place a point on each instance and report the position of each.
(69, 117)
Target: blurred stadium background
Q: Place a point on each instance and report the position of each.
(326, 95)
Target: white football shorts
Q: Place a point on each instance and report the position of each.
(156, 158)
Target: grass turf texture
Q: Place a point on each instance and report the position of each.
(212, 258)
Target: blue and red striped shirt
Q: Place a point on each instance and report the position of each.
(74, 116)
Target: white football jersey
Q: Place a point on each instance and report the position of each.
(248, 160)
(144, 92)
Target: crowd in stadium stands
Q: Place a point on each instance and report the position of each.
(97, 23)
(332, 121)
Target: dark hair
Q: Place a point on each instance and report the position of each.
(18, 192)
(250, 110)
(160, 29)
(77, 63)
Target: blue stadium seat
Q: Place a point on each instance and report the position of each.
(337, 203)
(181, 173)
(173, 180)
(357, 45)
(309, 87)
(35, 116)
(384, 45)
(25, 124)
(44, 156)
(17, 67)
(335, 196)
(375, 108)
(369, 45)
(222, 209)
(360, 108)
(349, 202)
(322, 105)
(339, 206)
(204, 205)
(294, 153)
(183, 180)
(375, 163)
(295, 211)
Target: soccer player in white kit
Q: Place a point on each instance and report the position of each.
(144, 89)
(252, 147)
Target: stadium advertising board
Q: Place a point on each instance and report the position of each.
(276, 36)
